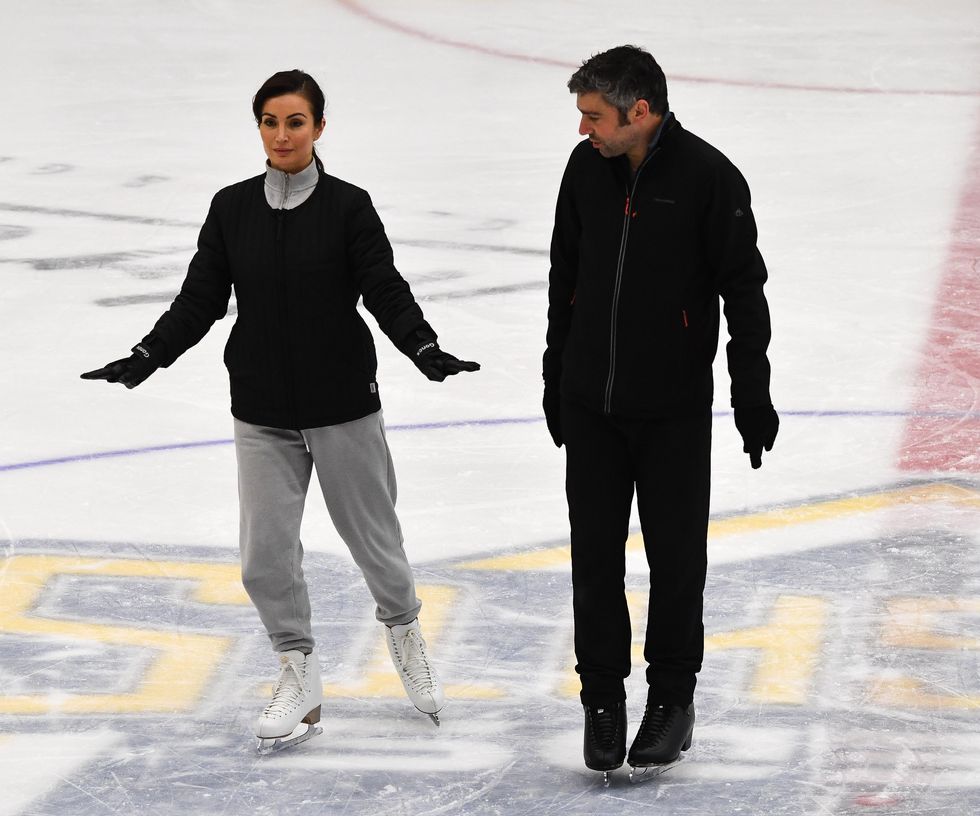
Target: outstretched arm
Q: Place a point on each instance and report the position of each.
(203, 299)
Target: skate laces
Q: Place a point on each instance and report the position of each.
(656, 721)
(415, 663)
(288, 691)
(604, 723)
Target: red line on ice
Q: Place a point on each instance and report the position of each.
(358, 8)
(943, 431)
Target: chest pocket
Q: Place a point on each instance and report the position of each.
(664, 222)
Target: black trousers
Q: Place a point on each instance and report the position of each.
(668, 462)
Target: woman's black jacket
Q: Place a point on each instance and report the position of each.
(299, 355)
(637, 267)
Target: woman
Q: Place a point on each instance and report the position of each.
(300, 247)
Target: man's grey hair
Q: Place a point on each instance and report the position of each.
(623, 75)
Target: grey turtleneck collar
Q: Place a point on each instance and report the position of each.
(285, 191)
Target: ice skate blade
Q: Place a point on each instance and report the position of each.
(607, 776)
(434, 718)
(644, 773)
(276, 744)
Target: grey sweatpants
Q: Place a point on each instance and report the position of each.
(353, 465)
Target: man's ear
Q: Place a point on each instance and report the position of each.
(641, 110)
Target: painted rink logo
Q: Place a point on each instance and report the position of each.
(848, 662)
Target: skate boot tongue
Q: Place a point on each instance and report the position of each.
(605, 724)
(292, 669)
(407, 649)
(288, 691)
(295, 656)
(416, 666)
(296, 698)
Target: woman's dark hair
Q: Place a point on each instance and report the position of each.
(292, 82)
(623, 75)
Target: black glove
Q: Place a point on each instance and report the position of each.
(437, 364)
(130, 371)
(552, 412)
(758, 426)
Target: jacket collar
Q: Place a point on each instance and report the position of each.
(665, 127)
(285, 191)
(621, 163)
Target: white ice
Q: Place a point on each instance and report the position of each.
(854, 124)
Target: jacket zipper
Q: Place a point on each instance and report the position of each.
(617, 286)
(282, 207)
(284, 303)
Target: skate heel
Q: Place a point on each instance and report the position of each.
(667, 731)
(314, 717)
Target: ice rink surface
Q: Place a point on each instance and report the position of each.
(842, 608)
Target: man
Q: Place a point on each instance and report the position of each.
(652, 225)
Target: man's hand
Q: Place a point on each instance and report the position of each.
(552, 413)
(130, 371)
(758, 426)
(437, 364)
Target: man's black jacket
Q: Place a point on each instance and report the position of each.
(637, 266)
(299, 355)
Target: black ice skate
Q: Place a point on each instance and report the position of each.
(605, 737)
(666, 730)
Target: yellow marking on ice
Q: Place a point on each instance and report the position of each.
(173, 681)
(907, 692)
(636, 602)
(910, 623)
(470, 691)
(380, 679)
(834, 508)
(790, 646)
(757, 522)
(570, 684)
(527, 561)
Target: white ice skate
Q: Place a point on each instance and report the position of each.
(296, 700)
(407, 650)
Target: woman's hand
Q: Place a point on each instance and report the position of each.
(436, 364)
(130, 371)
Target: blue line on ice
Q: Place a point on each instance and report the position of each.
(971, 416)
